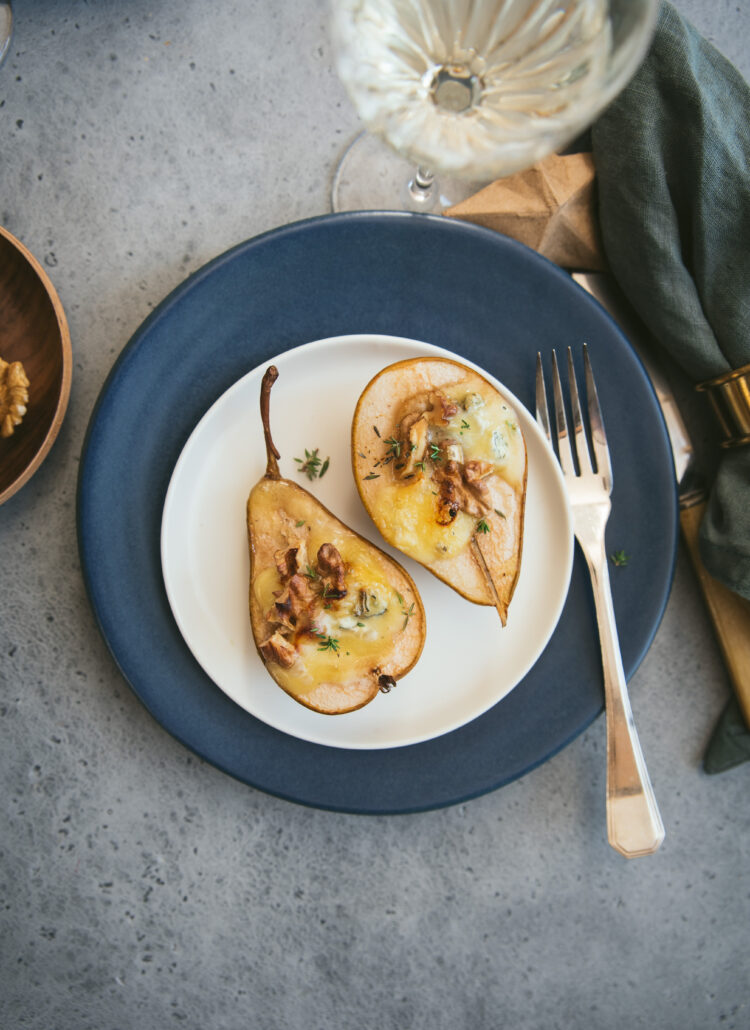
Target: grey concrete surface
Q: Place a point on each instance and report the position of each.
(140, 888)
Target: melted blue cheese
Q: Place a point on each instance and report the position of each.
(486, 428)
(363, 630)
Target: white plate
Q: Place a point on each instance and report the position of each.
(469, 661)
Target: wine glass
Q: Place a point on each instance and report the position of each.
(473, 89)
(6, 28)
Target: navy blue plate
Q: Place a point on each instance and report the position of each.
(427, 278)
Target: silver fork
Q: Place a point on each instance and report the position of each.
(634, 826)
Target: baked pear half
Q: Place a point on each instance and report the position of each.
(440, 464)
(335, 619)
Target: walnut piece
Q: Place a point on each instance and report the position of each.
(332, 572)
(278, 649)
(14, 395)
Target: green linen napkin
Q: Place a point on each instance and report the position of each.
(672, 155)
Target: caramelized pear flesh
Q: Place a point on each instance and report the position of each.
(440, 464)
(335, 620)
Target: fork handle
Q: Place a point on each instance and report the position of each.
(634, 825)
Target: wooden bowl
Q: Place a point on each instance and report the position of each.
(34, 330)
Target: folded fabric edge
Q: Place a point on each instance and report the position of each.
(728, 566)
(729, 745)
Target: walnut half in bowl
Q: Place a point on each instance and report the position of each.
(35, 349)
(14, 396)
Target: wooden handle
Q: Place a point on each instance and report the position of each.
(730, 612)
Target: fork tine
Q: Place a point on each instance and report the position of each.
(561, 422)
(579, 433)
(542, 411)
(598, 436)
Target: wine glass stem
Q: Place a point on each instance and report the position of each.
(421, 187)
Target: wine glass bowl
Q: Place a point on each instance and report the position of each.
(478, 90)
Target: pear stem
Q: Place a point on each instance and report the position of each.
(270, 377)
(488, 578)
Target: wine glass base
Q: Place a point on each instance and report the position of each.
(372, 177)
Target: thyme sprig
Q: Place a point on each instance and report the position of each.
(394, 446)
(408, 612)
(312, 465)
